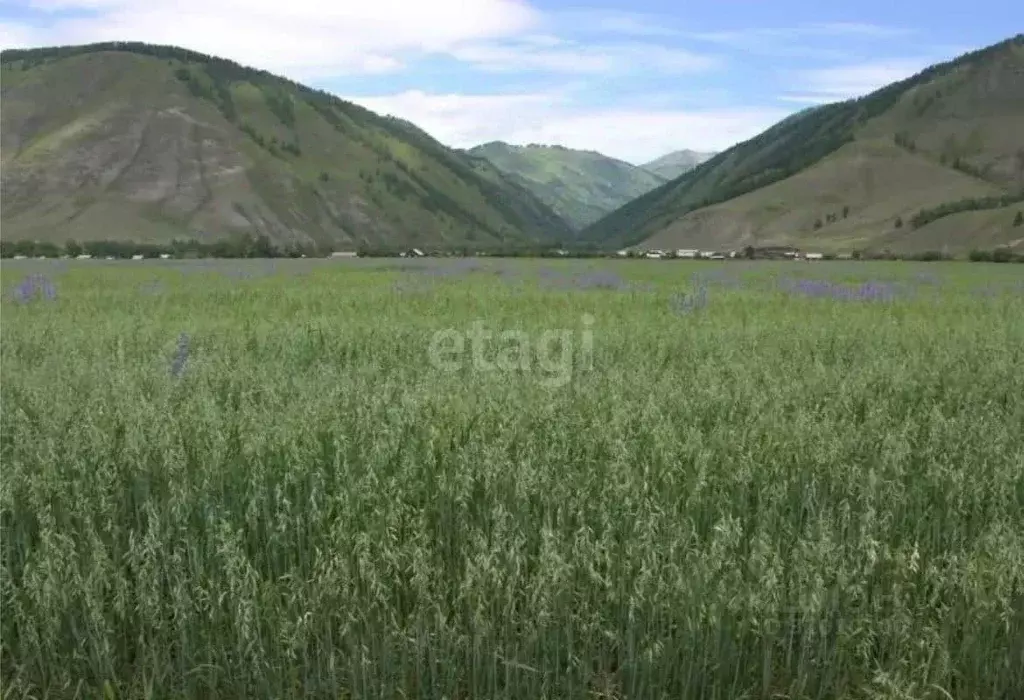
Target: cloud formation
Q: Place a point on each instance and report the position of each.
(823, 85)
(631, 134)
(302, 38)
(629, 84)
(561, 56)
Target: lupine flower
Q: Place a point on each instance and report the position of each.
(180, 356)
(35, 286)
(719, 278)
(990, 291)
(436, 269)
(823, 289)
(690, 303)
(599, 279)
(412, 286)
(152, 287)
(595, 279)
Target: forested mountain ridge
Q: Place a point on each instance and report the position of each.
(856, 173)
(581, 186)
(134, 141)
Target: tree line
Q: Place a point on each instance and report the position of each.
(239, 246)
(928, 215)
(249, 246)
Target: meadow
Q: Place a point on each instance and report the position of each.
(759, 480)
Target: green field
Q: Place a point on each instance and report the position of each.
(768, 489)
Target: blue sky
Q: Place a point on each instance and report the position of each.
(633, 79)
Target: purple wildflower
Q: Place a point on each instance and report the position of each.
(599, 279)
(152, 287)
(180, 356)
(595, 279)
(684, 304)
(823, 289)
(412, 286)
(35, 286)
(720, 278)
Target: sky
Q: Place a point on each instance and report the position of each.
(633, 79)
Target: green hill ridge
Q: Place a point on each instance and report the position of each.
(859, 173)
(581, 186)
(129, 141)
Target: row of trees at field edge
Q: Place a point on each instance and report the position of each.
(248, 246)
(241, 246)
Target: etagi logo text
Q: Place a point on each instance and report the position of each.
(555, 353)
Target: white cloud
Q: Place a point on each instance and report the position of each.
(632, 135)
(301, 38)
(808, 99)
(839, 83)
(857, 29)
(462, 120)
(756, 37)
(823, 40)
(15, 36)
(558, 56)
(315, 39)
(620, 23)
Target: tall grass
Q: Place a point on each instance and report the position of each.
(771, 497)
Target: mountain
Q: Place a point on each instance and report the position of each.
(128, 141)
(672, 165)
(581, 186)
(934, 161)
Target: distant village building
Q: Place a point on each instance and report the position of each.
(687, 253)
(83, 256)
(814, 256)
(343, 254)
(137, 257)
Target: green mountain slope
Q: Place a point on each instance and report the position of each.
(147, 143)
(857, 173)
(581, 186)
(672, 165)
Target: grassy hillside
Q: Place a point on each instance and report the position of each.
(581, 186)
(672, 165)
(948, 133)
(132, 141)
(863, 196)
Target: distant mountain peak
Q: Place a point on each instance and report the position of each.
(672, 165)
(581, 186)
